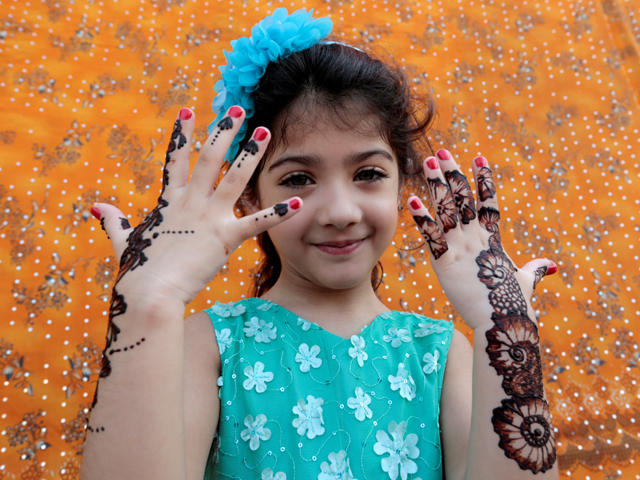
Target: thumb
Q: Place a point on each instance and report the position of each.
(115, 225)
(539, 268)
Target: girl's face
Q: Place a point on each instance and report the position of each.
(349, 184)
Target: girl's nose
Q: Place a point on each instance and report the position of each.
(339, 207)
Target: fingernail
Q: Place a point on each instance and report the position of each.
(295, 203)
(95, 212)
(480, 162)
(185, 114)
(443, 155)
(415, 204)
(235, 112)
(260, 134)
(432, 163)
(552, 269)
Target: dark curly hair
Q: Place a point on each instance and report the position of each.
(329, 80)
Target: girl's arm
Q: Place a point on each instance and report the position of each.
(511, 431)
(136, 428)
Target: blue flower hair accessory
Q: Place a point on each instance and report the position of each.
(272, 38)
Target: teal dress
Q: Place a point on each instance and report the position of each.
(298, 402)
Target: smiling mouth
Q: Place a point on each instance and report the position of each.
(340, 248)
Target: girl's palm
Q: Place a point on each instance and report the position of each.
(189, 235)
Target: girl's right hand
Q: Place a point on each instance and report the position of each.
(188, 237)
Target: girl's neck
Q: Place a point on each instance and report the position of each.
(342, 312)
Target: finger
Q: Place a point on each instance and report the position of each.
(441, 199)
(211, 158)
(539, 268)
(252, 225)
(115, 225)
(428, 228)
(176, 160)
(459, 187)
(240, 171)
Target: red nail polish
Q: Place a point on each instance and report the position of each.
(95, 212)
(260, 134)
(235, 112)
(185, 114)
(480, 162)
(415, 204)
(443, 155)
(432, 163)
(552, 269)
(295, 203)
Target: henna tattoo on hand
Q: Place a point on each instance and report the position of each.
(462, 195)
(523, 421)
(225, 124)
(486, 187)
(432, 235)
(443, 203)
(539, 273)
(104, 229)
(179, 232)
(176, 136)
(132, 258)
(124, 224)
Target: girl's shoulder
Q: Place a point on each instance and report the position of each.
(246, 306)
(421, 325)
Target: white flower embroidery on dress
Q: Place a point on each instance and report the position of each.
(267, 474)
(307, 358)
(257, 377)
(396, 337)
(263, 331)
(400, 450)
(339, 468)
(431, 362)
(255, 431)
(385, 315)
(224, 339)
(404, 382)
(265, 306)
(361, 404)
(309, 417)
(220, 384)
(305, 324)
(357, 351)
(427, 329)
(228, 309)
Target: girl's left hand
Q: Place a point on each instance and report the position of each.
(475, 272)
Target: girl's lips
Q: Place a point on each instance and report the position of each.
(333, 250)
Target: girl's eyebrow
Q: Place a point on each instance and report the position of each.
(316, 160)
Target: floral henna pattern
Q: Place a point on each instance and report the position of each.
(514, 351)
(225, 124)
(432, 235)
(496, 272)
(526, 433)
(523, 422)
(486, 187)
(443, 203)
(462, 195)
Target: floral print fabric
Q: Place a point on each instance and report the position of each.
(300, 402)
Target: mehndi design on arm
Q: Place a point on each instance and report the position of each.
(523, 421)
(132, 258)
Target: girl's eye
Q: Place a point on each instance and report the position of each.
(371, 175)
(295, 180)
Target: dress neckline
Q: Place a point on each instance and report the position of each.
(384, 315)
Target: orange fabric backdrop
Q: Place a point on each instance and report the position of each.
(547, 90)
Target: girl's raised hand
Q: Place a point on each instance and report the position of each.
(188, 237)
(475, 272)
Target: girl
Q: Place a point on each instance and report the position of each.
(314, 377)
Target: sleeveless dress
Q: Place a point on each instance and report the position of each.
(298, 402)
